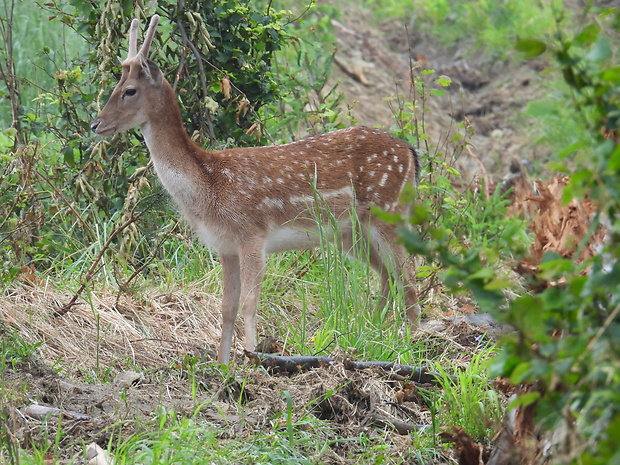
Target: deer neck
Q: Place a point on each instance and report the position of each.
(185, 170)
(166, 138)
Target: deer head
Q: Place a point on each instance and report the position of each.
(139, 86)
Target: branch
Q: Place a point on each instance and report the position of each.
(295, 363)
(287, 364)
(95, 265)
(203, 79)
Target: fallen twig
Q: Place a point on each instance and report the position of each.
(416, 374)
(287, 364)
(401, 427)
(41, 412)
(295, 363)
(95, 266)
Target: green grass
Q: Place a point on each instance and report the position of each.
(468, 400)
(482, 26)
(41, 47)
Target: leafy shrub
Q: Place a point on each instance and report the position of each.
(75, 189)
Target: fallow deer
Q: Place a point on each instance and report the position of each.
(249, 202)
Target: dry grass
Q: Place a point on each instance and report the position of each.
(111, 331)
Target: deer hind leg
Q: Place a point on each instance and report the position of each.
(252, 266)
(390, 261)
(230, 303)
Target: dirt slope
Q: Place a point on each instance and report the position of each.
(373, 65)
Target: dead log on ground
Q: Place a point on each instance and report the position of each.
(287, 363)
(295, 363)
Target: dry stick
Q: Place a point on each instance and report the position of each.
(485, 175)
(42, 412)
(96, 264)
(295, 363)
(67, 203)
(17, 197)
(157, 339)
(146, 262)
(401, 427)
(288, 364)
(9, 75)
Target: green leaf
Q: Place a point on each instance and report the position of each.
(453, 171)
(588, 34)
(600, 51)
(611, 75)
(444, 81)
(531, 48)
(524, 399)
(498, 284)
(503, 364)
(539, 109)
(519, 371)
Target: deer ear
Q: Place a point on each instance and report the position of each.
(151, 71)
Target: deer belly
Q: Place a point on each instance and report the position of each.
(214, 238)
(289, 238)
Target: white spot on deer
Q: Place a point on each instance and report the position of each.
(401, 168)
(325, 195)
(396, 158)
(372, 157)
(226, 172)
(361, 137)
(372, 173)
(385, 152)
(369, 188)
(272, 203)
(389, 167)
(280, 180)
(267, 180)
(384, 179)
(361, 169)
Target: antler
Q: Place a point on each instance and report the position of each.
(148, 38)
(133, 38)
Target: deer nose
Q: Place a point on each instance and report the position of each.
(95, 125)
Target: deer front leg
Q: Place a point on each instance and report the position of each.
(252, 265)
(230, 303)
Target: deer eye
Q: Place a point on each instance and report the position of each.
(129, 93)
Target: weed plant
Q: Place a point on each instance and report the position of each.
(468, 400)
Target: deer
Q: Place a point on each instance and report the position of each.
(246, 203)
